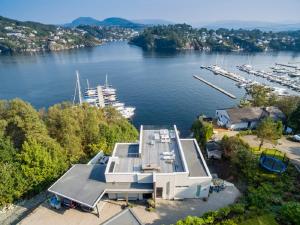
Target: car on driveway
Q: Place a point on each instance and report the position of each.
(296, 137)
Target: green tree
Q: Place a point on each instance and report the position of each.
(270, 130)
(202, 131)
(41, 163)
(287, 104)
(259, 95)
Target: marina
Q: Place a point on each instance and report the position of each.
(284, 77)
(102, 96)
(285, 80)
(155, 84)
(215, 87)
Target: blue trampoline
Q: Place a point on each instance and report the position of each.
(275, 163)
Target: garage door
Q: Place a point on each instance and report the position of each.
(131, 196)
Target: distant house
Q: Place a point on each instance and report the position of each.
(213, 150)
(246, 118)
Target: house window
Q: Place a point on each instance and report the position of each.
(159, 191)
(198, 190)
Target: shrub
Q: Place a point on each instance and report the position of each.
(290, 213)
(238, 208)
(151, 203)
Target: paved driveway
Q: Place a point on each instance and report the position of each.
(44, 215)
(168, 212)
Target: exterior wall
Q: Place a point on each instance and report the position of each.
(180, 185)
(120, 177)
(131, 196)
(214, 154)
(191, 184)
(167, 182)
(144, 178)
(239, 126)
(223, 118)
(242, 126)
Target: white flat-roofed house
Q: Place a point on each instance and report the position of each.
(160, 165)
(174, 167)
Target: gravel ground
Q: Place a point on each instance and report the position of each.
(17, 212)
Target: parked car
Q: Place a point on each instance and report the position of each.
(68, 203)
(86, 208)
(296, 137)
(104, 160)
(55, 202)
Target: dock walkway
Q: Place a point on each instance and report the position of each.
(100, 97)
(215, 87)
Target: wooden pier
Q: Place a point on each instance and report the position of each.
(234, 78)
(215, 87)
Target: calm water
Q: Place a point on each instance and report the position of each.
(160, 86)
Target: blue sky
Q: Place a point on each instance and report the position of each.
(189, 11)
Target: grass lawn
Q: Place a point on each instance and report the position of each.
(268, 151)
(267, 219)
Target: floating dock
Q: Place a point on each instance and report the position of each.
(100, 97)
(286, 65)
(215, 87)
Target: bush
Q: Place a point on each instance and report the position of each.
(238, 208)
(290, 213)
(246, 132)
(202, 131)
(151, 203)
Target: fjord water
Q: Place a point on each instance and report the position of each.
(159, 85)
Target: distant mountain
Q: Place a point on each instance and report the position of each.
(82, 21)
(153, 22)
(250, 25)
(112, 21)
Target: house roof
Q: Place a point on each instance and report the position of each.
(82, 183)
(247, 114)
(86, 184)
(250, 114)
(212, 146)
(125, 217)
(193, 158)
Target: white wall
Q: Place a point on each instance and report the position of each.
(182, 186)
(144, 178)
(121, 177)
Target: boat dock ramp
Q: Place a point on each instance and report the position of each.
(215, 87)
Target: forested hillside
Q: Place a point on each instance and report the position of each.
(183, 36)
(17, 36)
(36, 147)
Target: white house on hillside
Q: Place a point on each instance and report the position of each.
(246, 118)
(160, 165)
